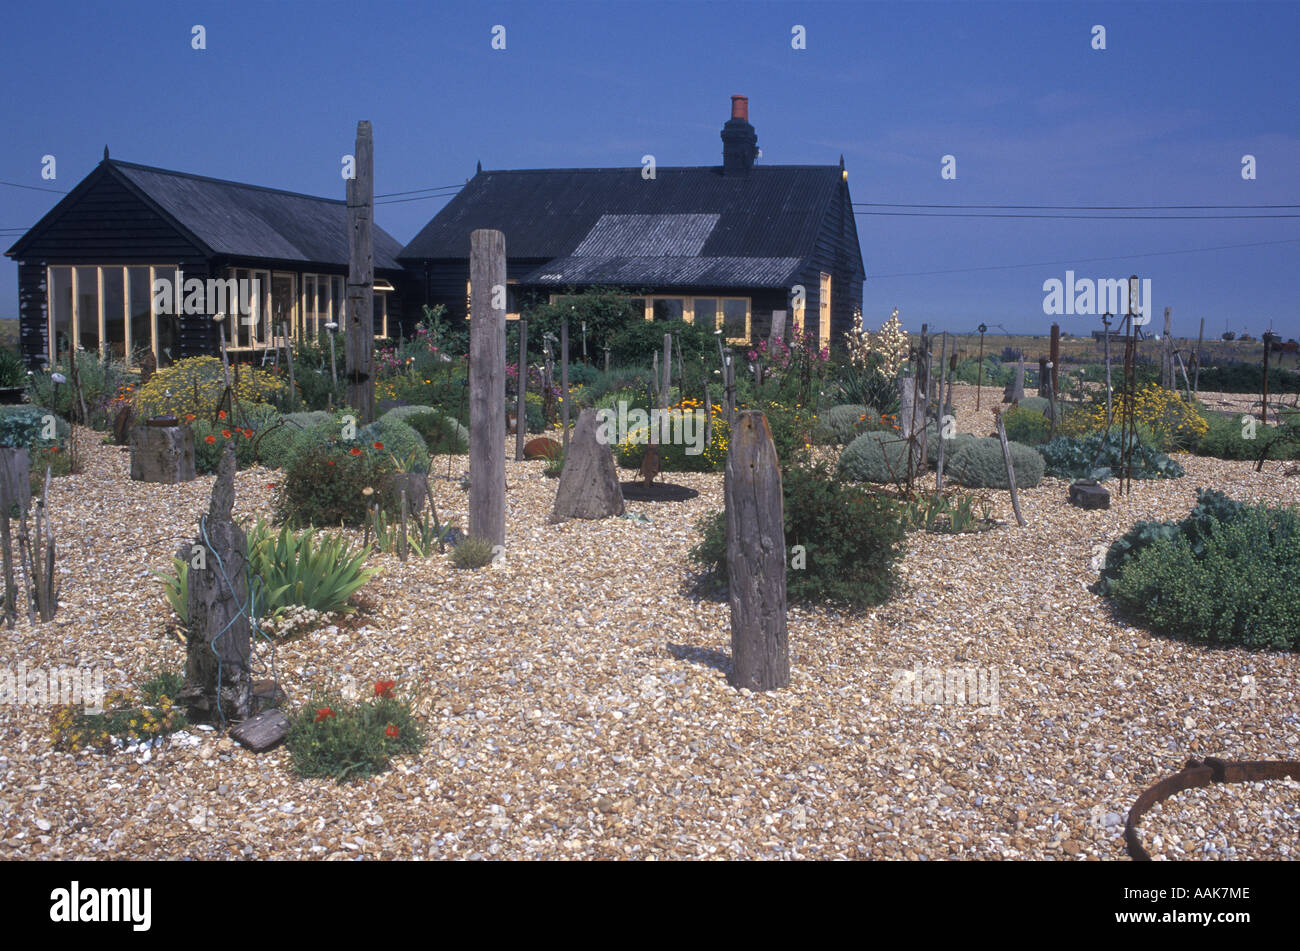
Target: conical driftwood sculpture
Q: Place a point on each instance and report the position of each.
(1015, 390)
(218, 683)
(589, 483)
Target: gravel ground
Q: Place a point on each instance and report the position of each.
(577, 702)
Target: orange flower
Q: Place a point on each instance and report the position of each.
(330, 461)
(248, 433)
(379, 445)
(221, 414)
(391, 731)
(225, 433)
(384, 688)
(54, 449)
(323, 713)
(209, 439)
(355, 451)
(189, 417)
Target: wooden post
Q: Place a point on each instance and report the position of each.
(521, 410)
(288, 353)
(1044, 376)
(1054, 355)
(777, 333)
(218, 679)
(359, 342)
(911, 421)
(1167, 360)
(1011, 472)
(1263, 406)
(944, 371)
(729, 381)
(708, 415)
(487, 388)
(548, 379)
(564, 380)
(1105, 323)
(1196, 377)
(756, 557)
(979, 373)
(668, 371)
(606, 358)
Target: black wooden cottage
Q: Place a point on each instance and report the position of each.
(729, 243)
(89, 272)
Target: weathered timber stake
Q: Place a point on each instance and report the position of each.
(1196, 377)
(487, 387)
(564, 380)
(1011, 472)
(1167, 354)
(911, 419)
(1054, 355)
(1015, 390)
(162, 453)
(38, 560)
(521, 408)
(777, 333)
(940, 423)
(589, 480)
(1105, 323)
(359, 342)
(288, 357)
(218, 680)
(756, 557)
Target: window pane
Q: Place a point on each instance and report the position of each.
(706, 313)
(60, 297)
(114, 323)
(733, 318)
(169, 325)
(88, 307)
(310, 318)
(141, 336)
(669, 309)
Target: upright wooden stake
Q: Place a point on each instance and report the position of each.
(1011, 472)
(1196, 377)
(756, 557)
(1105, 323)
(1054, 351)
(979, 373)
(564, 380)
(521, 409)
(1263, 405)
(1167, 360)
(359, 342)
(487, 387)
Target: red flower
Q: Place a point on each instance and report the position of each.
(329, 462)
(248, 433)
(272, 485)
(189, 417)
(54, 449)
(221, 414)
(391, 731)
(324, 713)
(379, 445)
(209, 439)
(355, 451)
(225, 433)
(384, 688)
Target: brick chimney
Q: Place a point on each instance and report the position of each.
(739, 140)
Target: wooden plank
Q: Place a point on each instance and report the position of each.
(756, 557)
(359, 341)
(487, 388)
(262, 732)
(1011, 472)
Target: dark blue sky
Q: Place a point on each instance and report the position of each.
(1015, 92)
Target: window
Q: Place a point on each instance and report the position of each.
(735, 319)
(106, 309)
(85, 312)
(824, 312)
(59, 284)
(114, 319)
(669, 308)
(512, 305)
(706, 313)
(140, 312)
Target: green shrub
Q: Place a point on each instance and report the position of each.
(1099, 456)
(958, 513)
(472, 553)
(333, 483)
(387, 434)
(673, 455)
(210, 440)
(1026, 425)
(12, 371)
(442, 434)
(273, 446)
(1225, 439)
(1232, 583)
(980, 464)
(342, 740)
(102, 380)
(25, 427)
(875, 457)
(842, 424)
(536, 416)
(194, 386)
(932, 441)
(852, 539)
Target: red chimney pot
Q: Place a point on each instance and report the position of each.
(740, 107)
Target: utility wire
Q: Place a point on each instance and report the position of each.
(57, 191)
(416, 191)
(947, 214)
(883, 204)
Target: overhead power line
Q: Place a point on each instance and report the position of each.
(946, 214)
(883, 204)
(416, 191)
(57, 191)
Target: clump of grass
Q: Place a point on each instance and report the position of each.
(472, 553)
(342, 740)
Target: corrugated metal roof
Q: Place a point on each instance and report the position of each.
(665, 271)
(774, 211)
(647, 235)
(250, 221)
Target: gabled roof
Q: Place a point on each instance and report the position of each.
(611, 225)
(231, 218)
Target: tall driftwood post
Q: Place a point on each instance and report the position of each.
(1011, 472)
(939, 415)
(564, 380)
(218, 679)
(521, 409)
(756, 557)
(1054, 356)
(1105, 324)
(1263, 403)
(1196, 375)
(911, 422)
(1167, 353)
(359, 343)
(487, 386)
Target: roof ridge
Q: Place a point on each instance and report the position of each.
(222, 181)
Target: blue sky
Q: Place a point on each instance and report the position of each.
(1014, 91)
